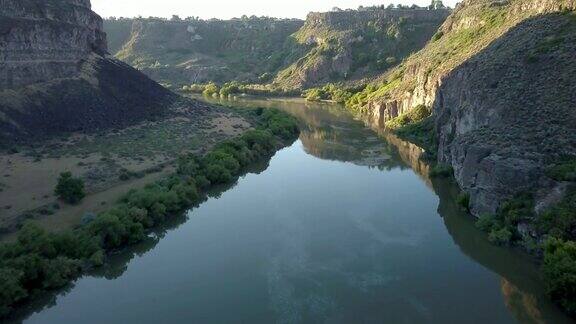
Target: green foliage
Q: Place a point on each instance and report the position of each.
(70, 189)
(487, 223)
(564, 170)
(517, 209)
(328, 92)
(415, 115)
(11, 290)
(501, 236)
(358, 101)
(211, 90)
(463, 200)
(422, 134)
(559, 269)
(560, 220)
(502, 227)
(39, 260)
(437, 36)
(442, 171)
(194, 88)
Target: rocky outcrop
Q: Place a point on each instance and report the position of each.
(497, 75)
(183, 52)
(292, 54)
(472, 27)
(504, 115)
(56, 76)
(47, 41)
(345, 45)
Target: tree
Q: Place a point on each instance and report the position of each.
(211, 89)
(560, 272)
(70, 189)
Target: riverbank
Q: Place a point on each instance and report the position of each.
(41, 260)
(331, 210)
(109, 162)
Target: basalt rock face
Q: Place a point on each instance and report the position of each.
(43, 40)
(472, 27)
(504, 115)
(56, 76)
(498, 77)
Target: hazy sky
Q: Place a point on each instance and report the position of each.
(225, 9)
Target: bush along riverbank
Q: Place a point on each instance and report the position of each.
(40, 261)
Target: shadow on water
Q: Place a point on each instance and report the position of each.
(117, 263)
(521, 283)
(330, 132)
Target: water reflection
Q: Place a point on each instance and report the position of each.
(117, 264)
(330, 132)
(300, 255)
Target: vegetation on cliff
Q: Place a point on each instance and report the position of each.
(39, 260)
(284, 54)
(184, 51)
(350, 45)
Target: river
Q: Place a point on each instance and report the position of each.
(343, 226)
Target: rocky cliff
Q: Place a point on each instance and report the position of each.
(43, 40)
(348, 45)
(510, 111)
(195, 51)
(496, 76)
(473, 26)
(290, 54)
(55, 75)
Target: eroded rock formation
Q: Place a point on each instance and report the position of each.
(56, 75)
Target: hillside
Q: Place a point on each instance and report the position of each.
(496, 78)
(351, 45)
(285, 54)
(195, 51)
(56, 76)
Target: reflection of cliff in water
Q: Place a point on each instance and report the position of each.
(524, 306)
(410, 154)
(328, 131)
(522, 286)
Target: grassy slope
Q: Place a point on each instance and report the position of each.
(340, 46)
(471, 28)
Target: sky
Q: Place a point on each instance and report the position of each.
(226, 9)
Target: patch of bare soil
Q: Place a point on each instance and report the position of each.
(110, 163)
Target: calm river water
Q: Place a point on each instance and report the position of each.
(344, 226)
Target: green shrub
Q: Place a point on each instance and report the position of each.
(415, 115)
(218, 174)
(463, 200)
(70, 189)
(442, 171)
(564, 170)
(328, 92)
(559, 269)
(39, 260)
(437, 36)
(422, 134)
(501, 236)
(211, 89)
(560, 220)
(517, 209)
(11, 290)
(487, 223)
